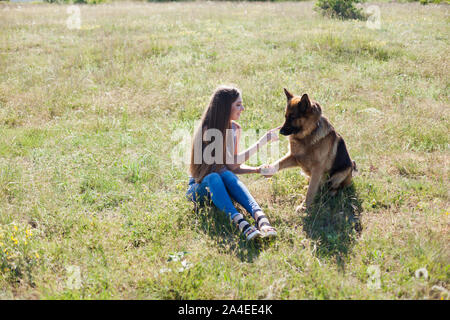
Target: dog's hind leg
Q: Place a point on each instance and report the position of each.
(347, 181)
(340, 179)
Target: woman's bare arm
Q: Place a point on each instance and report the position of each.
(239, 158)
(244, 169)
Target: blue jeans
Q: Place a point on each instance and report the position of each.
(218, 187)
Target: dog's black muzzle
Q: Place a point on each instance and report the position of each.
(285, 131)
(288, 130)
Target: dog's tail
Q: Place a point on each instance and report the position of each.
(354, 168)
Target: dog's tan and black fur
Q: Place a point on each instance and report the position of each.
(315, 146)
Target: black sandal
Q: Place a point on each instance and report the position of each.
(249, 231)
(269, 231)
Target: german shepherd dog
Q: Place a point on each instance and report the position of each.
(315, 146)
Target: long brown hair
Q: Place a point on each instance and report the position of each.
(216, 116)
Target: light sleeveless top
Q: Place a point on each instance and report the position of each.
(234, 134)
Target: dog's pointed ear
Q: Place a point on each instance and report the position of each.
(289, 95)
(305, 101)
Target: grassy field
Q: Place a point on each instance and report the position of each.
(92, 204)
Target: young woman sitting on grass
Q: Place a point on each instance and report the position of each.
(215, 161)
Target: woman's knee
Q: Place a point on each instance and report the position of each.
(229, 176)
(213, 178)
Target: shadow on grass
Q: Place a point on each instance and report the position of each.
(227, 236)
(334, 223)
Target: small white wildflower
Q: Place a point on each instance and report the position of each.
(422, 273)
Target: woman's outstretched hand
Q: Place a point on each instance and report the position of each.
(267, 170)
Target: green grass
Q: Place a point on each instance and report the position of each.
(87, 119)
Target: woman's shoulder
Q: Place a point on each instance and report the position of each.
(237, 125)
